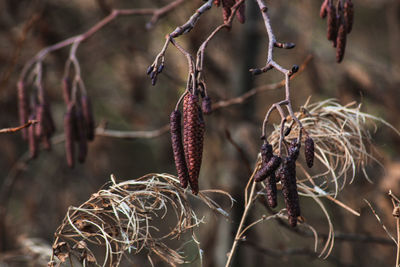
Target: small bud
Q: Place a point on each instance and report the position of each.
(160, 68)
(285, 45)
(149, 69)
(255, 71)
(154, 81)
(295, 69)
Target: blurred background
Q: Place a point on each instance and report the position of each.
(35, 194)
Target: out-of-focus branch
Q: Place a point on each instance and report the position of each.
(156, 14)
(19, 128)
(101, 131)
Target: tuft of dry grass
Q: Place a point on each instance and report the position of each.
(343, 146)
(121, 218)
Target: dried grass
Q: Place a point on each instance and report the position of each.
(121, 218)
(342, 148)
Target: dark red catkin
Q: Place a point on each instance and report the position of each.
(341, 42)
(332, 22)
(177, 148)
(270, 183)
(66, 88)
(267, 169)
(294, 150)
(33, 144)
(82, 135)
(185, 122)
(323, 10)
(241, 13)
(40, 126)
(217, 2)
(289, 189)
(206, 105)
(348, 15)
(226, 9)
(309, 151)
(88, 116)
(194, 129)
(69, 124)
(23, 108)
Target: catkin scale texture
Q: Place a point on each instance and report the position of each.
(69, 125)
(177, 147)
(341, 42)
(82, 135)
(193, 138)
(289, 189)
(23, 108)
(241, 13)
(267, 169)
(309, 151)
(88, 117)
(332, 22)
(348, 15)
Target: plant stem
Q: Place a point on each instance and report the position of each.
(238, 236)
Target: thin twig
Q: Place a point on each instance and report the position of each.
(19, 128)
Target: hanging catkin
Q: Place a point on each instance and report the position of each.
(177, 147)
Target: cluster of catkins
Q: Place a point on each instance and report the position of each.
(34, 106)
(340, 22)
(188, 154)
(78, 123)
(274, 169)
(226, 10)
(78, 120)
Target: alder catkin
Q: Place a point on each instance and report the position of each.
(241, 13)
(185, 122)
(177, 148)
(82, 135)
(289, 189)
(309, 151)
(323, 10)
(348, 15)
(23, 108)
(332, 22)
(217, 2)
(33, 144)
(88, 117)
(40, 126)
(69, 125)
(267, 169)
(194, 129)
(206, 105)
(341, 42)
(66, 88)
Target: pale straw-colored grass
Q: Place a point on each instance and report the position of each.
(121, 218)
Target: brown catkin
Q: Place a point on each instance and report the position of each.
(185, 122)
(267, 169)
(341, 42)
(206, 105)
(195, 131)
(332, 22)
(82, 135)
(323, 10)
(23, 108)
(294, 150)
(69, 125)
(66, 88)
(289, 189)
(40, 126)
(88, 116)
(348, 15)
(33, 144)
(177, 148)
(266, 155)
(226, 9)
(241, 13)
(309, 151)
